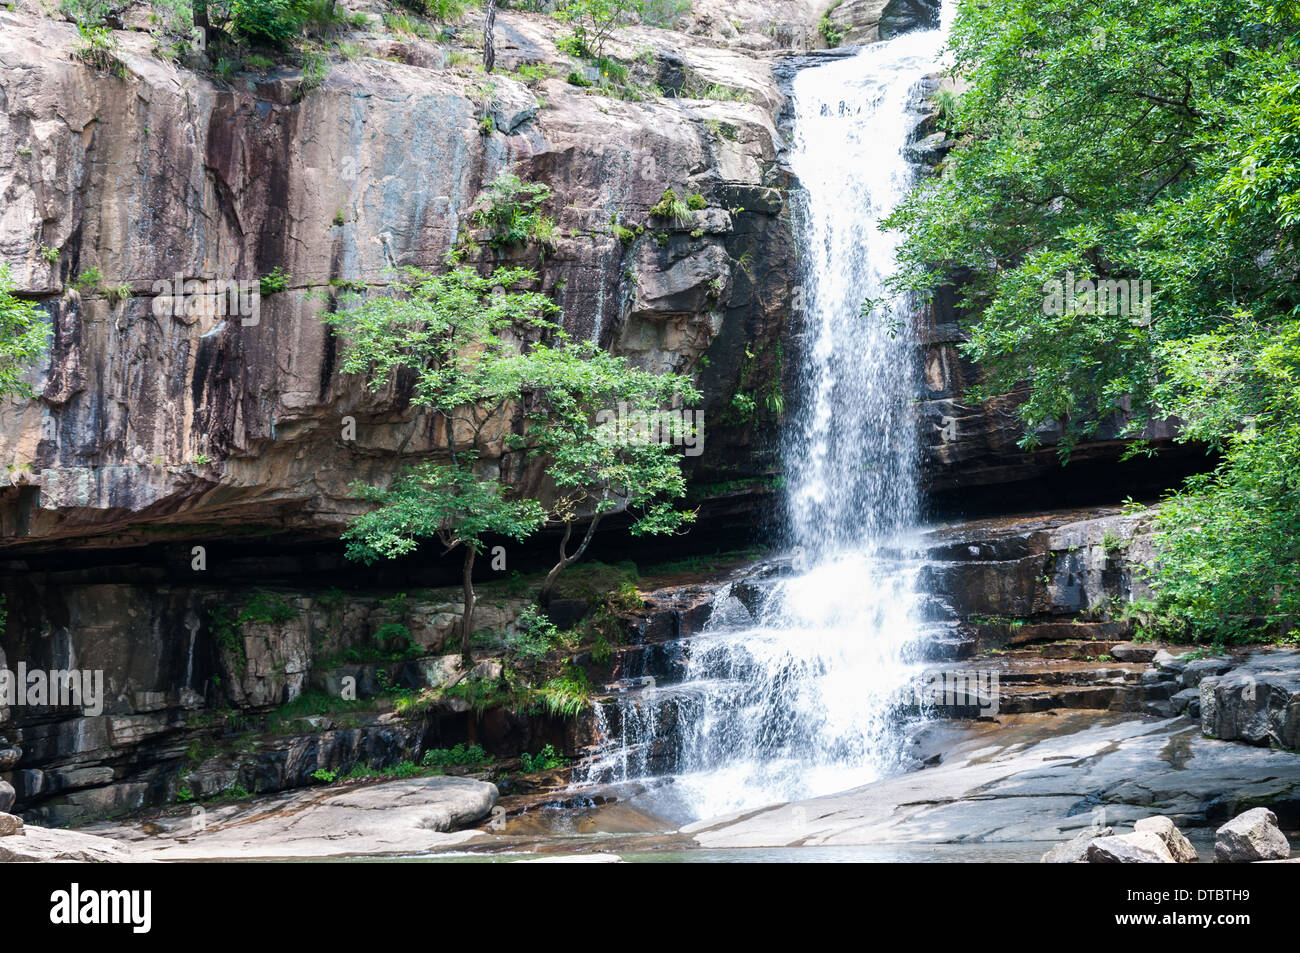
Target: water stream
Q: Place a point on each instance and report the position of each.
(787, 693)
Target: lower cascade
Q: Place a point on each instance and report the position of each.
(790, 690)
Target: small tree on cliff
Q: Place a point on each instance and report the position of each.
(447, 503)
(476, 351)
(608, 446)
(23, 336)
(446, 330)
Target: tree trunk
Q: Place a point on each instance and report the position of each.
(544, 597)
(467, 620)
(489, 47)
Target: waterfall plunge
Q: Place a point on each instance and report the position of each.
(793, 699)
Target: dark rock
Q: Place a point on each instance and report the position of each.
(1202, 668)
(1257, 702)
(1134, 652)
(1189, 701)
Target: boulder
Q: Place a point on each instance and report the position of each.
(1075, 850)
(1134, 652)
(1257, 702)
(1203, 668)
(1140, 847)
(1167, 662)
(1189, 701)
(9, 757)
(10, 824)
(6, 795)
(1251, 836)
(1179, 846)
(43, 845)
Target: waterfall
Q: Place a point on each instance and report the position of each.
(788, 692)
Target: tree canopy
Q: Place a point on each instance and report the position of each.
(1154, 141)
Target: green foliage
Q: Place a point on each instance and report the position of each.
(274, 282)
(395, 639)
(87, 12)
(696, 202)
(97, 48)
(444, 11)
(593, 22)
(513, 212)
(315, 67)
(535, 635)
(446, 328)
(672, 208)
(717, 91)
(88, 281)
(461, 754)
(544, 760)
(532, 73)
(275, 22)
(404, 25)
(1156, 142)
(24, 335)
(227, 622)
(324, 775)
(664, 14)
(435, 501)
(831, 33)
(456, 336)
(567, 695)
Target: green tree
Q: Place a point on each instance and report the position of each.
(577, 402)
(1154, 143)
(449, 503)
(593, 22)
(24, 335)
(494, 365)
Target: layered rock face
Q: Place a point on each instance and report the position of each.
(145, 417)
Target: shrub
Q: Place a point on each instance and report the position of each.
(460, 755)
(544, 760)
(671, 207)
(443, 11)
(274, 282)
(513, 214)
(276, 22)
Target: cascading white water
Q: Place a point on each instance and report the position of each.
(787, 694)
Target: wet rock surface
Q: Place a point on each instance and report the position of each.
(1041, 777)
(409, 816)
